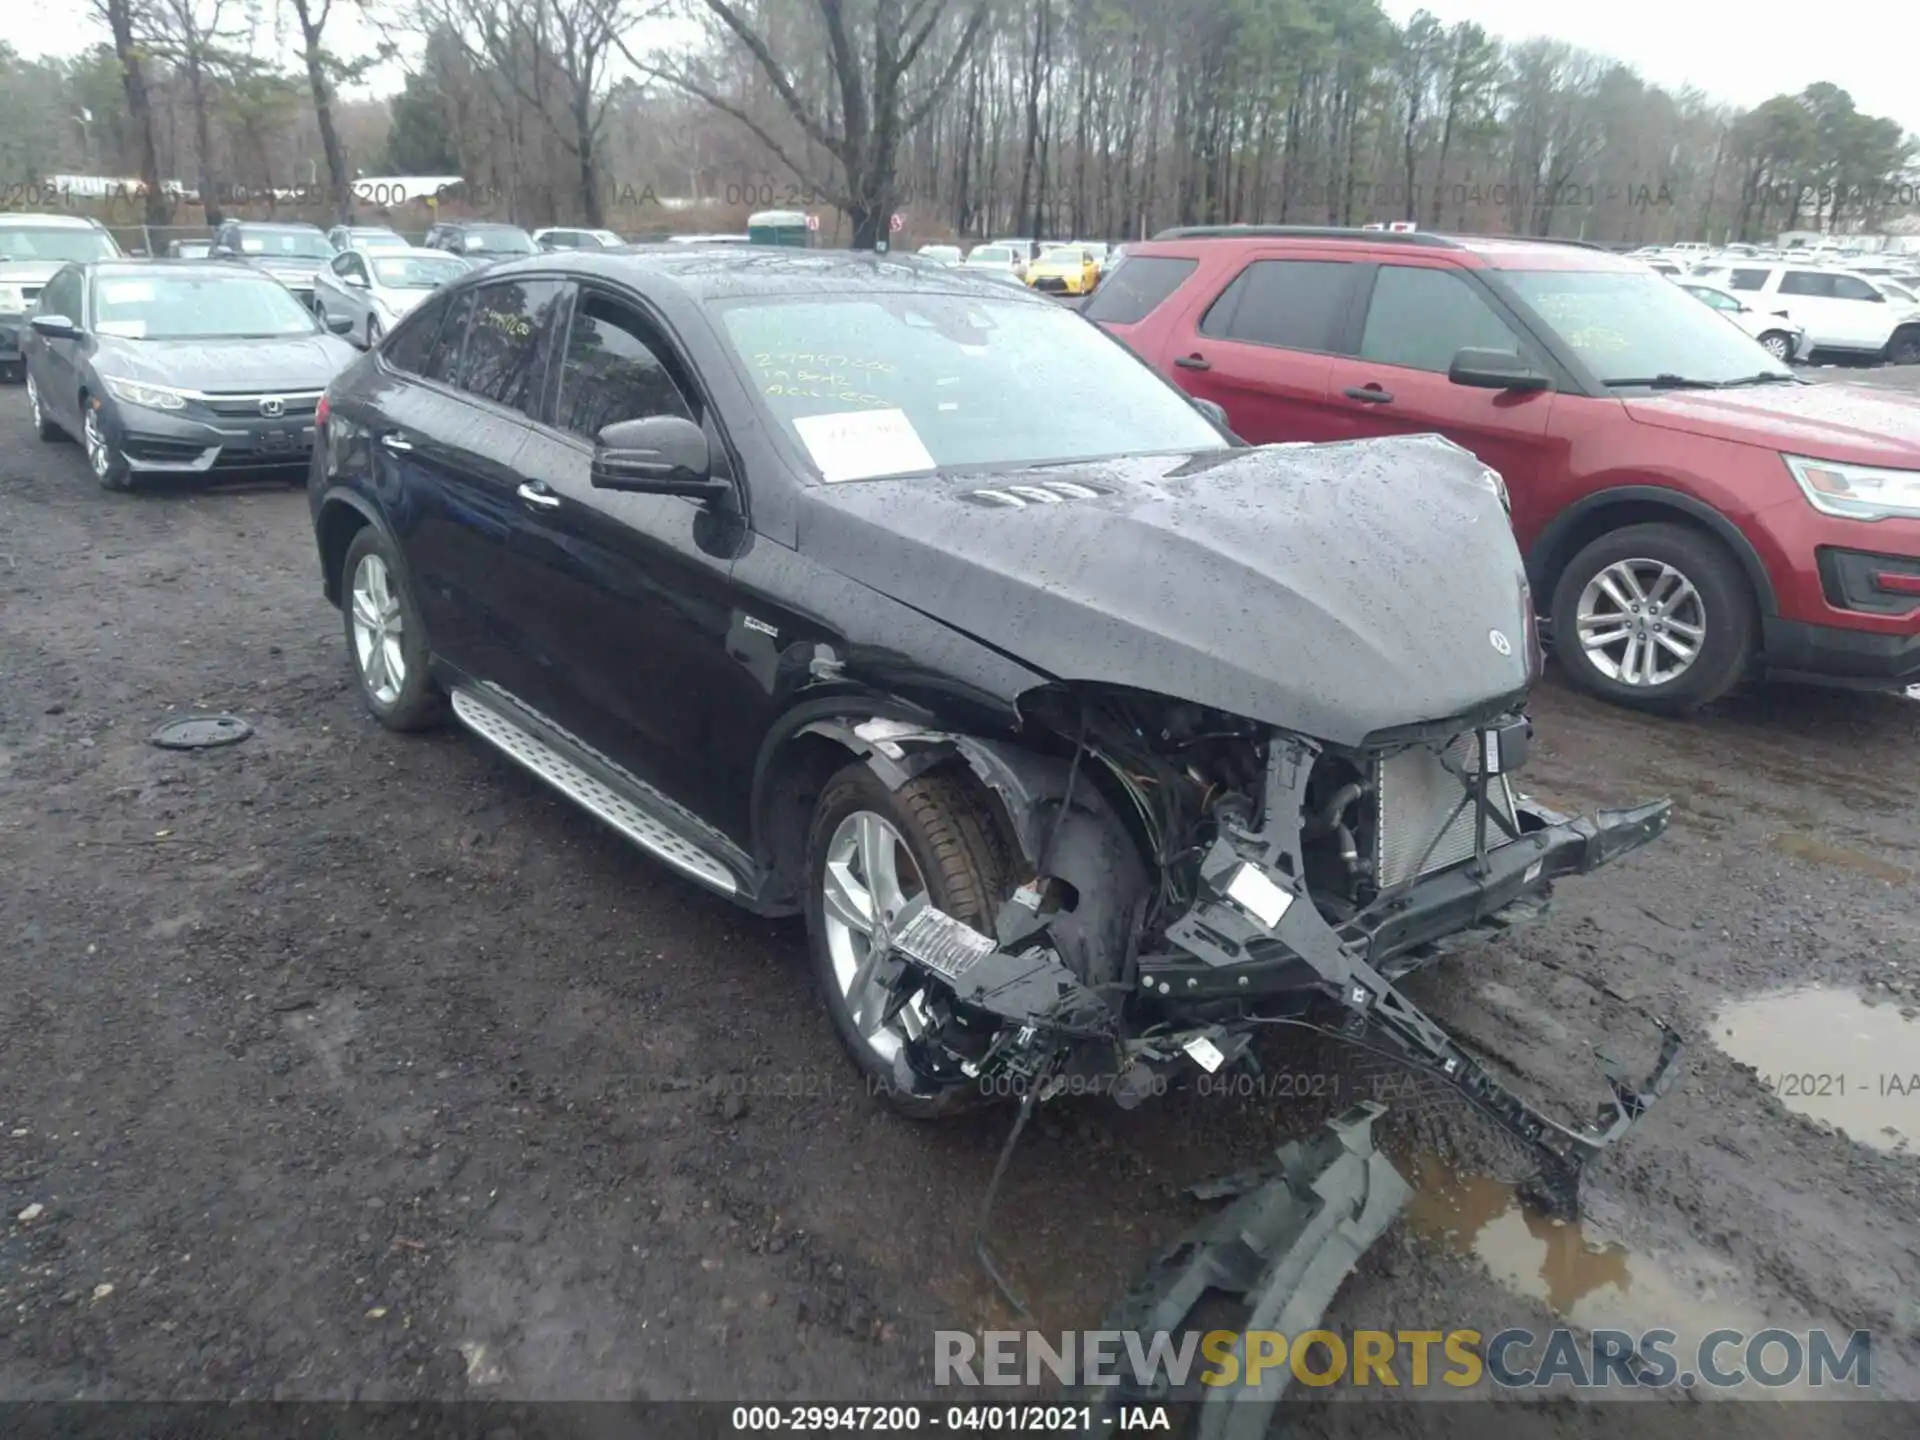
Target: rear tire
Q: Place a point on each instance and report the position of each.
(1689, 593)
(950, 841)
(1904, 347)
(386, 643)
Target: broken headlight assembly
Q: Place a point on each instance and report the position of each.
(1190, 877)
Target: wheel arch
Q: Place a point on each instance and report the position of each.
(1607, 510)
(342, 515)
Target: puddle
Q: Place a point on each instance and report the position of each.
(1590, 1283)
(1830, 1056)
(1839, 857)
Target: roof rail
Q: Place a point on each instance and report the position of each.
(1310, 232)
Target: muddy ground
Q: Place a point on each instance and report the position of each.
(340, 1064)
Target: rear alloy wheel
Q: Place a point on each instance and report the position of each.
(1778, 344)
(42, 426)
(385, 639)
(109, 466)
(1657, 617)
(872, 850)
(1904, 348)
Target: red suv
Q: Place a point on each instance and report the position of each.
(1691, 511)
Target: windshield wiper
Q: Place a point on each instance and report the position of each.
(1765, 377)
(1664, 382)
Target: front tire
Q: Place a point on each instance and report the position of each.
(44, 428)
(871, 849)
(109, 466)
(1778, 344)
(1654, 617)
(1904, 347)
(386, 642)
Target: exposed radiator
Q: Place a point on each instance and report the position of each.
(1417, 794)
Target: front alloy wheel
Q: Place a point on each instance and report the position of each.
(42, 426)
(1641, 622)
(108, 466)
(1659, 617)
(872, 850)
(1777, 345)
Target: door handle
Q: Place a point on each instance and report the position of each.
(396, 442)
(534, 493)
(1194, 362)
(1369, 394)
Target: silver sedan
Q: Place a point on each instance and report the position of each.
(374, 286)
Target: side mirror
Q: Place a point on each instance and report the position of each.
(656, 455)
(1495, 370)
(55, 327)
(138, 253)
(1213, 410)
(339, 324)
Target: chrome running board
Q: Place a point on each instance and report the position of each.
(622, 812)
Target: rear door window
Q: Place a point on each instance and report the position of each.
(502, 359)
(1133, 288)
(1291, 304)
(444, 354)
(1807, 282)
(1420, 315)
(1852, 287)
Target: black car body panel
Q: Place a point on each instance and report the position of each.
(1194, 577)
(1298, 668)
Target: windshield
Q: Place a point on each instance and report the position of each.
(378, 240)
(19, 242)
(286, 244)
(894, 384)
(499, 242)
(198, 307)
(1630, 327)
(417, 272)
(940, 252)
(1897, 291)
(992, 255)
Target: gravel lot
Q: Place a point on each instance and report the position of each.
(340, 1064)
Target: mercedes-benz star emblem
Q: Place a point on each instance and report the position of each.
(1499, 642)
(272, 406)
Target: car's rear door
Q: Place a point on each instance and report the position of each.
(1418, 315)
(631, 604)
(448, 441)
(1260, 342)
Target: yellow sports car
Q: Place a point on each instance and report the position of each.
(1064, 270)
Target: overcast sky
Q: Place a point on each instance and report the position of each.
(1741, 54)
(1737, 54)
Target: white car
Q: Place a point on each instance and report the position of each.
(940, 254)
(367, 237)
(1777, 334)
(567, 237)
(374, 287)
(1841, 312)
(997, 256)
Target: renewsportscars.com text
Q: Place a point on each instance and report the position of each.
(1512, 1359)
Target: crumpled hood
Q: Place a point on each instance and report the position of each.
(1332, 590)
(298, 363)
(1826, 422)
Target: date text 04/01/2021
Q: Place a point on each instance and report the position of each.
(949, 1419)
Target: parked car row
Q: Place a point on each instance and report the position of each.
(1053, 267)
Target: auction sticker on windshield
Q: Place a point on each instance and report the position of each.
(125, 292)
(863, 444)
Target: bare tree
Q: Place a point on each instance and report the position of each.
(873, 47)
(125, 19)
(313, 29)
(189, 33)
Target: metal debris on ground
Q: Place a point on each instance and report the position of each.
(200, 732)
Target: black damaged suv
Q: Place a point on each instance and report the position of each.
(1084, 737)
